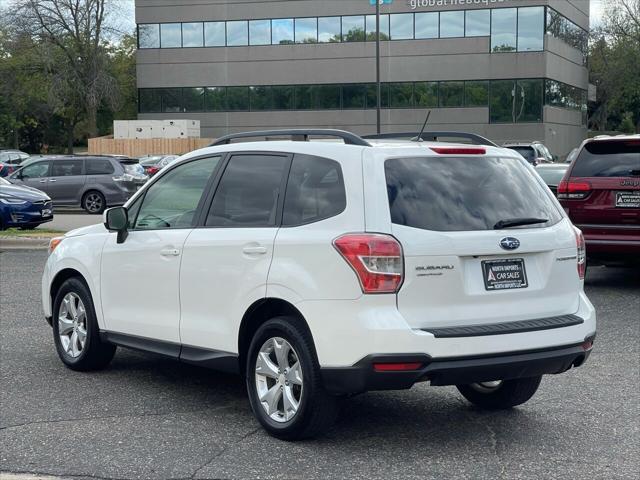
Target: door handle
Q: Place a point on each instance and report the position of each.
(170, 252)
(52, 180)
(43, 181)
(254, 250)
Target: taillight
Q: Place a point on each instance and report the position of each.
(459, 150)
(377, 260)
(568, 190)
(397, 367)
(152, 170)
(582, 254)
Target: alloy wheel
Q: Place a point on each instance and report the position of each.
(72, 325)
(279, 379)
(93, 203)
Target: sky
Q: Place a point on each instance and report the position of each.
(597, 7)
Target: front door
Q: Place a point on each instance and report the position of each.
(226, 263)
(140, 277)
(33, 175)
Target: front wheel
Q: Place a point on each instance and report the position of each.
(500, 394)
(284, 383)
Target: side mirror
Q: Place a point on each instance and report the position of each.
(116, 219)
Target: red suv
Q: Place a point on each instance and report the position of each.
(601, 194)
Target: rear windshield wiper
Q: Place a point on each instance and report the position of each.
(518, 222)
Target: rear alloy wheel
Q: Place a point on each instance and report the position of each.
(500, 394)
(93, 202)
(284, 383)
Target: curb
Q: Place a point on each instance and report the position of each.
(23, 243)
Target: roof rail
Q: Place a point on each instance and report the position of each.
(296, 134)
(433, 137)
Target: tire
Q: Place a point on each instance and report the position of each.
(316, 409)
(93, 202)
(94, 354)
(508, 394)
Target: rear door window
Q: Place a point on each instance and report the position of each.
(66, 168)
(249, 191)
(99, 166)
(608, 159)
(315, 191)
(451, 194)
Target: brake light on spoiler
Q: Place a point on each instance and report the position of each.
(459, 150)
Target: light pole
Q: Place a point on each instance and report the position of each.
(378, 88)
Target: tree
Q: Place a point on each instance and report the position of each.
(74, 31)
(614, 66)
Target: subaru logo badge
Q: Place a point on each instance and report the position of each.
(510, 243)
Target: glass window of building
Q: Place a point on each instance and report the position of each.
(329, 30)
(326, 97)
(171, 100)
(237, 33)
(477, 23)
(400, 95)
(282, 97)
(503, 29)
(371, 27)
(282, 31)
(426, 94)
(401, 26)
(530, 29)
(452, 24)
(427, 25)
(260, 98)
(476, 94)
(354, 96)
(306, 30)
(149, 35)
(215, 99)
(451, 94)
(353, 28)
(215, 34)
(372, 95)
(501, 101)
(237, 98)
(192, 34)
(170, 35)
(150, 100)
(529, 101)
(303, 97)
(193, 99)
(260, 32)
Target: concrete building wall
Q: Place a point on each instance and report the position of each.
(412, 60)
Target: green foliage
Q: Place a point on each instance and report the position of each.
(627, 125)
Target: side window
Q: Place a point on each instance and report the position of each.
(315, 190)
(66, 168)
(36, 170)
(248, 192)
(172, 201)
(99, 166)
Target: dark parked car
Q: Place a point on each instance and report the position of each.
(23, 207)
(152, 164)
(552, 174)
(9, 161)
(601, 194)
(534, 152)
(91, 182)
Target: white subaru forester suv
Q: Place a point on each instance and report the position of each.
(321, 269)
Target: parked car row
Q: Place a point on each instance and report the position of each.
(10, 160)
(152, 164)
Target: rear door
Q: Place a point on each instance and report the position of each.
(461, 266)
(604, 188)
(226, 261)
(66, 179)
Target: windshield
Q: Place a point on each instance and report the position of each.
(450, 194)
(612, 158)
(527, 152)
(551, 176)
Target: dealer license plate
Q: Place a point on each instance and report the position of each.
(504, 274)
(628, 199)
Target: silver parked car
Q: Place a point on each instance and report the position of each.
(91, 182)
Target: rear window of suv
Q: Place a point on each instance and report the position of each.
(608, 159)
(451, 194)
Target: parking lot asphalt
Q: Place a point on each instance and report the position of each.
(70, 220)
(149, 417)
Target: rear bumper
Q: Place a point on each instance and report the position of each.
(363, 376)
(611, 240)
